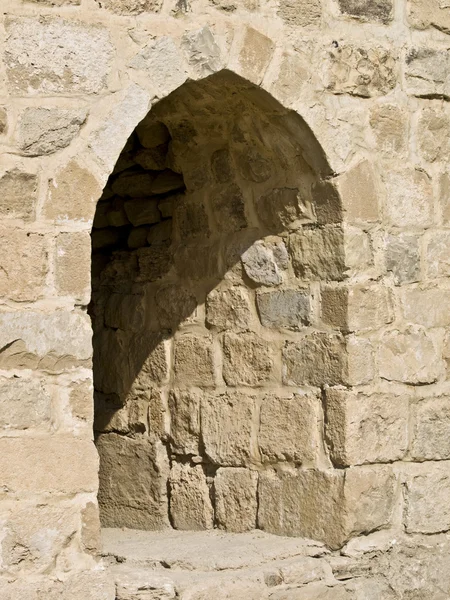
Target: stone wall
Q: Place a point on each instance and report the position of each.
(370, 81)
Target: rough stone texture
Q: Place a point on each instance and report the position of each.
(408, 198)
(390, 128)
(184, 408)
(202, 51)
(426, 72)
(163, 61)
(433, 133)
(402, 257)
(423, 14)
(73, 255)
(427, 491)
(284, 308)
(25, 265)
(248, 360)
(317, 253)
(190, 506)
(373, 10)
(426, 307)
(131, 7)
(264, 262)
(193, 361)
(300, 13)
(255, 55)
(235, 492)
(229, 309)
(437, 258)
(431, 427)
(359, 188)
(25, 404)
(18, 194)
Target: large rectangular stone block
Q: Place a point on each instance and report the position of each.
(18, 194)
(431, 432)
(437, 254)
(190, 504)
(318, 253)
(73, 265)
(24, 403)
(408, 197)
(427, 509)
(426, 307)
(235, 499)
(249, 360)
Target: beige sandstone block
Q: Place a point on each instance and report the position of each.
(190, 505)
(389, 124)
(255, 55)
(284, 208)
(81, 401)
(360, 360)
(290, 308)
(235, 499)
(174, 305)
(428, 13)
(444, 198)
(402, 257)
(427, 72)
(132, 482)
(18, 195)
(437, 254)
(56, 457)
(359, 191)
(40, 59)
(131, 7)
(73, 265)
(194, 360)
(358, 254)
(3, 121)
(327, 202)
(408, 198)
(312, 591)
(433, 132)
(229, 309)
(202, 51)
(24, 265)
(426, 307)
(90, 528)
(289, 429)
(379, 11)
(426, 503)
(431, 433)
(409, 357)
(249, 359)
(228, 207)
(366, 429)
(226, 425)
(318, 359)
(162, 59)
(265, 262)
(184, 407)
(300, 13)
(292, 75)
(318, 253)
(24, 404)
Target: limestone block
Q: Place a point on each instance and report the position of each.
(437, 254)
(56, 456)
(229, 309)
(174, 305)
(312, 591)
(131, 7)
(125, 311)
(255, 55)
(73, 265)
(29, 338)
(318, 359)
(40, 57)
(357, 308)
(300, 13)
(431, 434)
(409, 198)
(289, 429)
(72, 194)
(426, 307)
(428, 13)
(444, 198)
(409, 356)
(402, 257)
(89, 585)
(373, 11)
(433, 131)
(427, 72)
(90, 528)
(184, 407)
(290, 308)
(142, 211)
(318, 253)
(18, 195)
(194, 360)
(190, 505)
(24, 265)
(370, 588)
(47, 130)
(265, 261)
(202, 51)
(154, 262)
(366, 429)
(360, 360)
(284, 208)
(133, 184)
(3, 121)
(248, 359)
(357, 250)
(228, 207)
(226, 425)
(235, 499)
(24, 404)
(360, 71)
(359, 192)
(133, 482)
(80, 401)
(327, 202)
(163, 61)
(426, 503)
(389, 124)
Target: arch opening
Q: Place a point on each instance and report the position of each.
(211, 241)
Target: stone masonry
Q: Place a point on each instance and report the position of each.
(225, 293)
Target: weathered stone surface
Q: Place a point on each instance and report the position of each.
(290, 308)
(154, 262)
(248, 360)
(235, 495)
(360, 71)
(427, 72)
(431, 440)
(24, 404)
(133, 475)
(318, 359)
(194, 360)
(426, 506)
(318, 253)
(160, 233)
(358, 252)
(3, 121)
(142, 211)
(40, 56)
(73, 192)
(300, 13)
(312, 591)
(47, 130)
(72, 269)
(24, 265)
(229, 309)
(134, 183)
(409, 357)
(284, 208)
(366, 429)
(409, 198)
(228, 206)
(175, 304)
(152, 134)
(402, 257)
(426, 307)
(190, 218)
(429, 13)
(80, 401)
(226, 423)
(163, 60)
(373, 10)
(124, 311)
(184, 406)
(202, 52)
(360, 360)
(131, 7)
(433, 133)
(264, 262)
(190, 505)
(437, 255)
(359, 192)
(255, 55)
(18, 194)
(289, 429)
(389, 125)
(292, 75)
(53, 454)
(444, 198)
